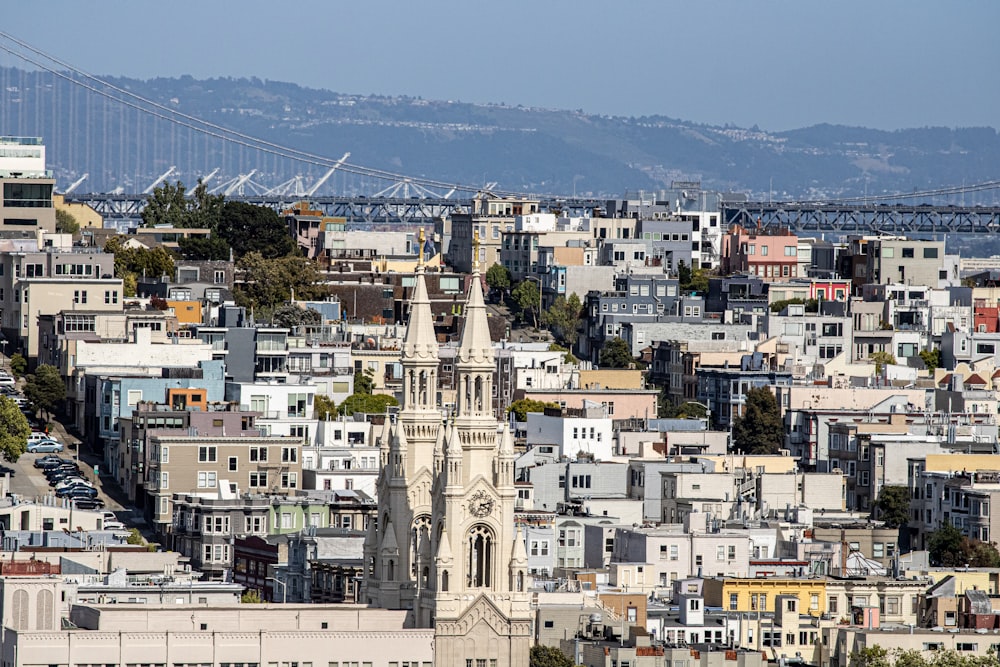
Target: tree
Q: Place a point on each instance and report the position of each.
(290, 315)
(498, 278)
(692, 279)
(18, 364)
(568, 358)
(562, 318)
(931, 358)
(130, 263)
(870, 656)
(811, 305)
(523, 406)
(45, 389)
(324, 407)
(527, 299)
(759, 430)
(201, 248)
(685, 411)
(251, 596)
(266, 283)
(166, 206)
(548, 656)
(616, 354)
(893, 506)
(248, 228)
(14, 430)
(945, 545)
(364, 382)
(372, 404)
(882, 359)
(134, 537)
(66, 222)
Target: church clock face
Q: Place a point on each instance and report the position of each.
(481, 504)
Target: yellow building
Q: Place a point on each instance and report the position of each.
(769, 463)
(84, 214)
(732, 594)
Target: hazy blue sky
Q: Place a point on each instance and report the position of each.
(877, 63)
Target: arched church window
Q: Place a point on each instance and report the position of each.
(425, 578)
(391, 570)
(480, 557)
(479, 394)
(423, 388)
(444, 581)
(520, 582)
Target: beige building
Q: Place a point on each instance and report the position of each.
(220, 466)
(491, 217)
(84, 215)
(27, 186)
(258, 635)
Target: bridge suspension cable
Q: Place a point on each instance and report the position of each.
(165, 113)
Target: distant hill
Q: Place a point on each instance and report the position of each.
(521, 148)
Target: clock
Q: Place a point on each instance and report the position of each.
(481, 504)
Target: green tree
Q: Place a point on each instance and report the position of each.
(66, 222)
(692, 279)
(498, 278)
(255, 229)
(267, 283)
(130, 263)
(568, 358)
(523, 406)
(945, 545)
(18, 364)
(882, 359)
(931, 358)
(562, 318)
(166, 206)
(870, 656)
(548, 656)
(204, 209)
(251, 596)
(364, 382)
(324, 407)
(45, 389)
(290, 315)
(893, 506)
(759, 430)
(685, 411)
(527, 300)
(14, 430)
(201, 248)
(372, 404)
(616, 354)
(134, 537)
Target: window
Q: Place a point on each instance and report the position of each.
(164, 480)
(206, 454)
(220, 277)
(110, 296)
(206, 479)
(258, 453)
(233, 464)
(258, 479)
(289, 480)
(734, 601)
(79, 296)
(289, 454)
(930, 253)
(907, 253)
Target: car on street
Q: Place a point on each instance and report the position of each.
(46, 446)
(47, 462)
(7, 381)
(73, 481)
(84, 491)
(86, 503)
(114, 525)
(61, 475)
(38, 436)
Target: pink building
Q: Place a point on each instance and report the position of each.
(772, 254)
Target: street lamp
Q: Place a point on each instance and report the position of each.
(284, 589)
(708, 413)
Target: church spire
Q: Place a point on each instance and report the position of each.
(476, 346)
(420, 343)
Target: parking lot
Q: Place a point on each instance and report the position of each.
(29, 482)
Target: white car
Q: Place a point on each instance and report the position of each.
(114, 525)
(7, 381)
(36, 437)
(73, 481)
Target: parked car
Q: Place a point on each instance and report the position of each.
(63, 475)
(114, 525)
(45, 446)
(74, 480)
(62, 470)
(38, 436)
(42, 460)
(84, 491)
(87, 503)
(7, 381)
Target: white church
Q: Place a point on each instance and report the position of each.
(444, 547)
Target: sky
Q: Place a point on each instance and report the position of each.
(885, 64)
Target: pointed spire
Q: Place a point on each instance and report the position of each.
(420, 341)
(389, 539)
(443, 554)
(476, 344)
(518, 554)
(506, 447)
(454, 447)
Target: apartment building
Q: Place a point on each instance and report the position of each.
(217, 465)
(26, 207)
(490, 218)
(771, 254)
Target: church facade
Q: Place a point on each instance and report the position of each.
(444, 546)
